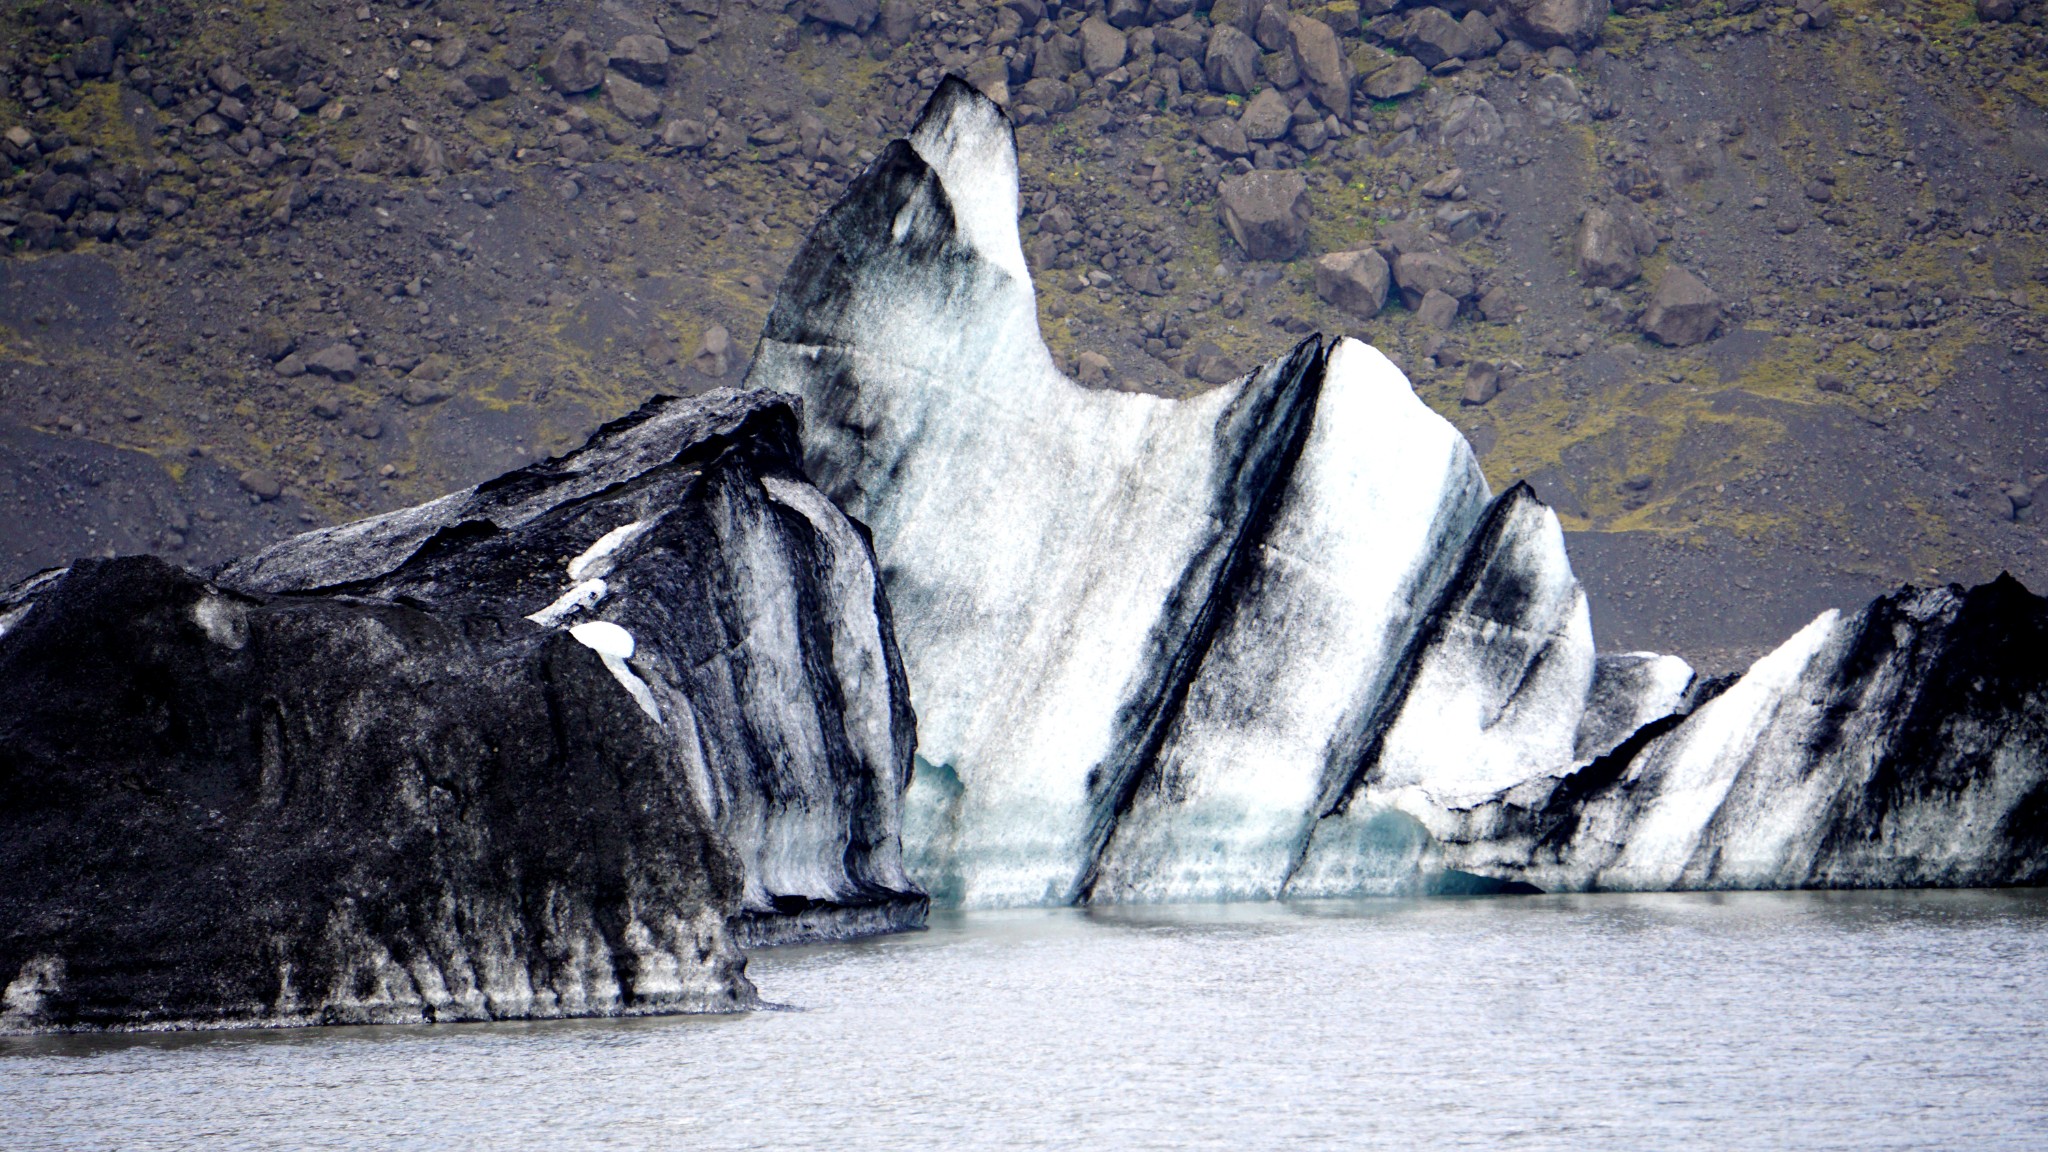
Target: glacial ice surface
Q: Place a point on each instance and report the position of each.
(1279, 638)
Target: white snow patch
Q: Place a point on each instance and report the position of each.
(582, 596)
(604, 638)
(224, 621)
(598, 559)
(614, 645)
(588, 571)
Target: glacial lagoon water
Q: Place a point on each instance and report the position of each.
(1779, 1021)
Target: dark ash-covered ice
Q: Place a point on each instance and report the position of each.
(557, 745)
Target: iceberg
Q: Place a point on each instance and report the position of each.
(558, 745)
(1280, 639)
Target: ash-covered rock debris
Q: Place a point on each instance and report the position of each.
(566, 258)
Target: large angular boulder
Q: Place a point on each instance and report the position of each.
(1126, 14)
(898, 22)
(852, 15)
(94, 58)
(1232, 63)
(339, 361)
(1471, 121)
(1103, 46)
(1280, 69)
(1485, 40)
(1574, 24)
(1058, 57)
(1267, 213)
(1224, 135)
(633, 100)
(1320, 59)
(1416, 274)
(1433, 36)
(1054, 96)
(1682, 311)
(1355, 282)
(1403, 77)
(1266, 116)
(424, 156)
(573, 65)
(1605, 252)
(643, 57)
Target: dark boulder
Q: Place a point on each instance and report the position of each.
(1267, 213)
(1682, 311)
(1552, 23)
(573, 65)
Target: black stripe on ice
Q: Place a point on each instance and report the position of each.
(1480, 586)
(1261, 436)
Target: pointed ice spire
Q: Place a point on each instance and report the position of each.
(968, 141)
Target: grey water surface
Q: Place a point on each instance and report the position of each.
(1781, 1021)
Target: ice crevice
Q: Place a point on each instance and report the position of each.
(1280, 638)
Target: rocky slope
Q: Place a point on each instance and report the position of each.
(392, 249)
(558, 745)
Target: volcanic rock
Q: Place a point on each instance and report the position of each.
(1267, 213)
(1568, 23)
(1401, 78)
(642, 57)
(632, 100)
(1322, 64)
(1434, 36)
(339, 361)
(1354, 281)
(1682, 311)
(1266, 116)
(1438, 309)
(1417, 274)
(573, 65)
(714, 353)
(1232, 63)
(1605, 251)
(1102, 46)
